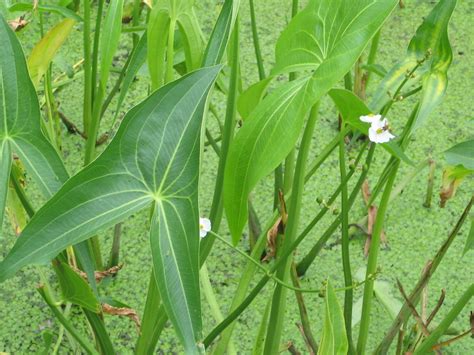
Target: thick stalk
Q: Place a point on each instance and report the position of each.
(277, 313)
(87, 104)
(240, 302)
(170, 52)
(136, 20)
(257, 250)
(256, 42)
(153, 320)
(305, 321)
(305, 263)
(371, 58)
(346, 263)
(95, 50)
(372, 262)
(228, 133)
(212, 301)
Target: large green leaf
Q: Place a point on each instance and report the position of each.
(431, 45)
(154, 158)
(341, 29)
(20, 120)
(334, 338)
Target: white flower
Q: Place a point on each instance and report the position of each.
(204, 226)
(378, 131)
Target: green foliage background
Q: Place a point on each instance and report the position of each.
(413, 231)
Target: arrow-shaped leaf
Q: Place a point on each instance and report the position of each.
(20, 119)
(154, 157)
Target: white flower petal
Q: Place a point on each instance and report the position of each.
(373, 135)
(204, 226)
(370, 118)
(385, 137)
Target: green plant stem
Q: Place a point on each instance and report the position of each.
(136, 20)
(372, 261)
(95, 49)
(430, 341)
(277, 313)
(308, 259)
(429, 189)
(289, 169)
(170, 52)
(346, 263)
(212, 301)
(227, 135)
(305, 321)
(153, 321)
(258, 248)
(61, 330)
(371, 58)
(20, 192)
(267, 271)
(415, 294)
(115, 249)
(256, 42)
(87, 104)
(89, 348)
(240, 302)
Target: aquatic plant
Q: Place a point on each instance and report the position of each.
(153, 161)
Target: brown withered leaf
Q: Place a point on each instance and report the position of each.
(272, 240)
(277, 228)
(100, 275)
(18, 24)
(124, 312)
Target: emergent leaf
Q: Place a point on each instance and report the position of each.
(20, 119)
(154, 157)
(338, 30)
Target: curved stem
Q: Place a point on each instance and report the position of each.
(346, 263)
(372, 262)
(87, 105)
(277, 313)
(256, 42)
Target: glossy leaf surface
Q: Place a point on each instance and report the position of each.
(154, 157)
(271, 131)
(20, 118)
